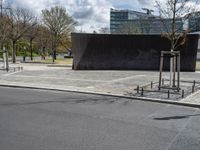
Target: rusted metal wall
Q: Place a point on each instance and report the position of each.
(128, 52)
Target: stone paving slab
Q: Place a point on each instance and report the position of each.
(119, 83)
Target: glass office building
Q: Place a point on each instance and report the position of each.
(120, 17)
(144, 23)
(194, 22)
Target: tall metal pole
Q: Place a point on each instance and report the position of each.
(178, 70)
(171, 69)
(174, 71)
(161, 68)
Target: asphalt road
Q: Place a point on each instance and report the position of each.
(46, 120)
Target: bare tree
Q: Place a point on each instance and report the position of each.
(173, 15)
(21, 20)
(60, 25)
(31, 34)
(3, 29)
(43, 40)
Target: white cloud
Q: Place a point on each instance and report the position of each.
(91, 14)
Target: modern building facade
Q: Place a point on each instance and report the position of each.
(127, 52)
(128, 21)
(194, 22)
(118, 18)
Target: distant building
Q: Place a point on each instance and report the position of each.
(123, 21)
(120, 17)
(194, 21)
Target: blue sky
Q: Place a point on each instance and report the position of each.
(91, 14)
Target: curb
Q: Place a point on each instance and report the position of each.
(32, 62)
(162, 101)
(48, 64)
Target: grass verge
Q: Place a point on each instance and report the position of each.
(59, 61)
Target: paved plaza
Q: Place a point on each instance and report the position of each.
(118, 83)
(56, 118)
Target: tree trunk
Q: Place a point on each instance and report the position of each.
(43, 52)
(31, 48)
(173, 40)
(54, 53)
(14, 52)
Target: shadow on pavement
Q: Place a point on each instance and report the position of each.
(176, 117)
(74, 101)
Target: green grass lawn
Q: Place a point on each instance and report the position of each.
(60, 61)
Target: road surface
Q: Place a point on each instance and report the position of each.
(48, 120)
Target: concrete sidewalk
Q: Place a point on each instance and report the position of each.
(116, 83)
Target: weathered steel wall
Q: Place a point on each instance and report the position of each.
(127, 52)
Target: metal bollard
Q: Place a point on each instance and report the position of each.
(194, 83)
(138, 88)
(168, 94)
(183, 93)
(142, 92)
(193, 89)
(151, 84)
(163, 81)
